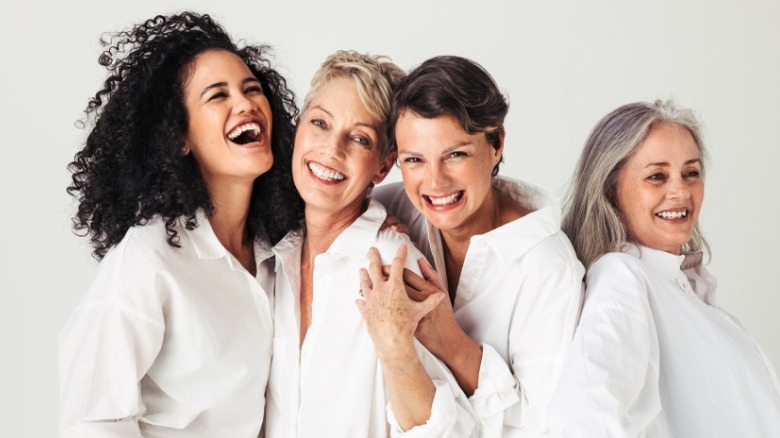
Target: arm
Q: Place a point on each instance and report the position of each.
(440, 332)
(391, 318)
(105, 348)
(609, 381)
(543, 294)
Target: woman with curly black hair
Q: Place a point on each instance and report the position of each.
(183, 185)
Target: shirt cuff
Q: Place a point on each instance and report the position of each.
(497, 388)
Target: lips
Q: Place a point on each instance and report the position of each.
(246, 132)
(325, 173)
(672, 215)
(441, 201)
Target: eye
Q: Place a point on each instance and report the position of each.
(318, 123)
(363, 141)
(658, 176)
(254, 89)
(217, 95)
(692, 174)
(411, 160)
(456, 154)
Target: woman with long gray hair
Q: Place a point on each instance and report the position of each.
(653, 355)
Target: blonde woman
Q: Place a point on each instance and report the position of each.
(343, 366)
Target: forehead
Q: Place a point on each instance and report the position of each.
(339, 96)
(442, 131)
(667, 143)
(217, 65)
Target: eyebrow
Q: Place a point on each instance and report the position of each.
(224, 84)
(444, 152)
(666, 164)
(367, 125)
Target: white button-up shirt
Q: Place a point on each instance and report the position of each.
(333, 384)
(169, 342)
(655, 357)
(519, 296)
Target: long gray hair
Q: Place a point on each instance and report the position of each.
(591, 218)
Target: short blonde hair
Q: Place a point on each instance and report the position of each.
(376, 78)
(591, 218)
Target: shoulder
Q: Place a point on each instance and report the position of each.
(388, 242)
(617, 280)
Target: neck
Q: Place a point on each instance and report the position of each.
(231, 210)
(322, 228)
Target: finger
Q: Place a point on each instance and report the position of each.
(429, 273)
(375, 266)
(397, 268)
(430, 303)
(415, 294)
(413, 280)
(386, 270)
(361, 305)
(365, 283)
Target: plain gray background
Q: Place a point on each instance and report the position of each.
(563, 66)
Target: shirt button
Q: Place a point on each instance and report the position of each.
(682, 284)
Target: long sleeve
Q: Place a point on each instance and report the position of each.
(512, 398)
(609, 382)
(107, 346)
(104, 352)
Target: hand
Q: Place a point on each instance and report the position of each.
(391, 316)
(439, 328)
(440, 332)
(394, 224)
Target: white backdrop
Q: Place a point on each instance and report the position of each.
(562, 64)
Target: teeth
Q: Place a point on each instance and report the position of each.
(240, 129)
(672, 215)
(326, 174)
(445, 200)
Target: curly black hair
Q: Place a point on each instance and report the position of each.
(132, 169)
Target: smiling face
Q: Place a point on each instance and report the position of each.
(338, 150)
(447, 172)
(661, 188)
(230, 119)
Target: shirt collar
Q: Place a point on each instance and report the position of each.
(354, 241)
(207, 246)
(361, 234)
(512, 240)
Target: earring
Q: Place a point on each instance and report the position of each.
(185, 151)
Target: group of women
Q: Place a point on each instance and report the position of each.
(252, 282)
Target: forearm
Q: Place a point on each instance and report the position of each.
(463, 357)
(410, 389)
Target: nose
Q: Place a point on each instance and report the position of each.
(334, 144)
(678, 189)
(244, 104)
(438, 178)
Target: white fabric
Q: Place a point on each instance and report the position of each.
(655, 357)
(333, 385)
(519, 296)
(168, 342)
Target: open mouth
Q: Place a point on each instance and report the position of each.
(672, 214)
(245, 133)
(325, 173)
(444, 200)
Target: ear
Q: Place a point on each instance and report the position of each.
(387, 165)
(499, 151)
